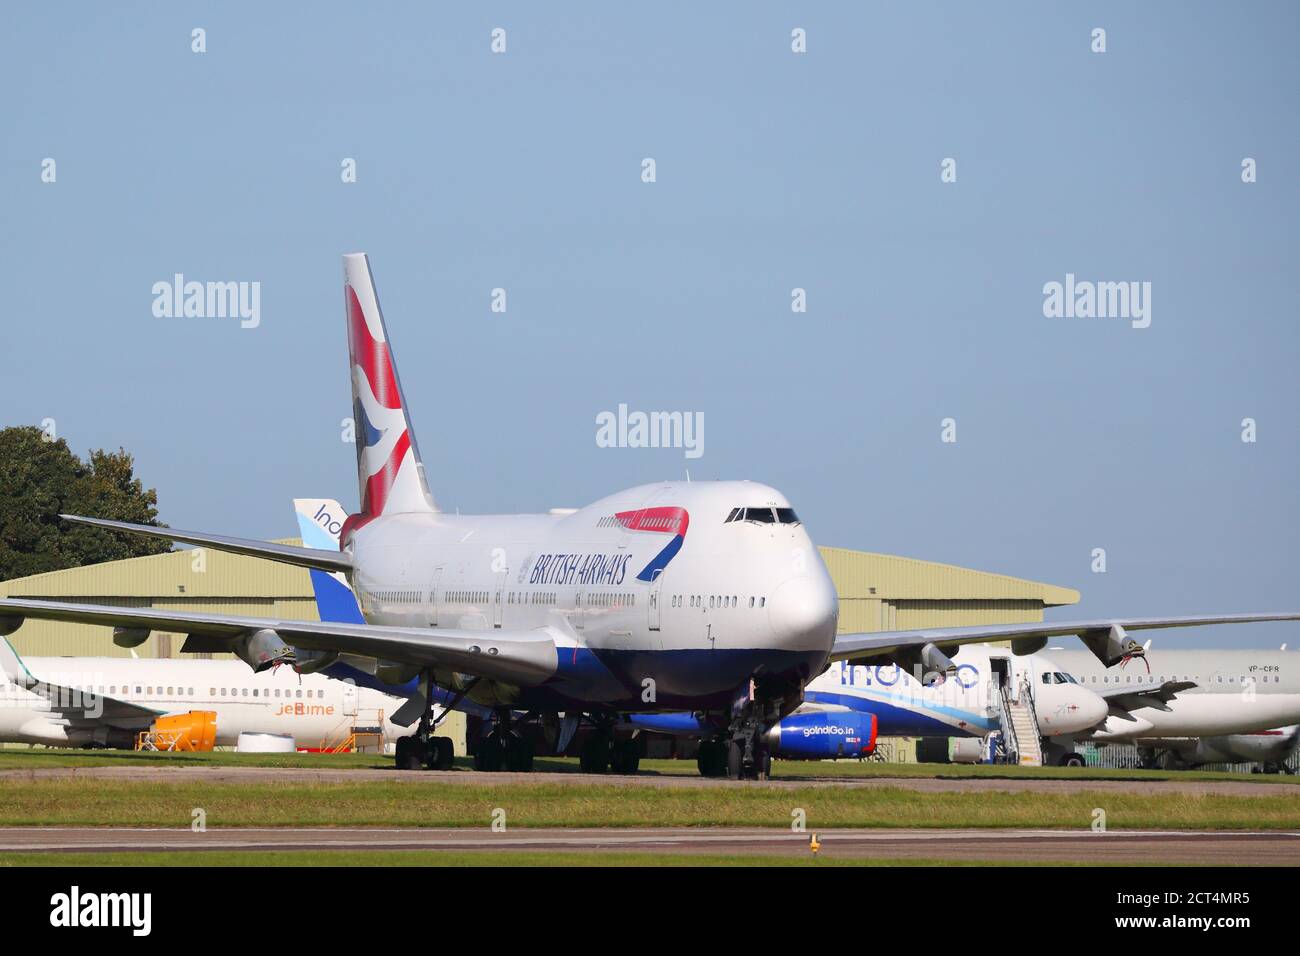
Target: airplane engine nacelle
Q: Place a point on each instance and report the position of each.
(823, 736)
(309, 662)
(9, 624)
(262, 649)
(130, 636)
(396, 672)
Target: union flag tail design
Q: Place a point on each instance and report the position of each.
(389, 470)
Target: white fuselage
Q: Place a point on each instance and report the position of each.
(311, 708)
(1237, 692)
(650, 584)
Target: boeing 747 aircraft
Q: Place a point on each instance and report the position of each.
(672, 596)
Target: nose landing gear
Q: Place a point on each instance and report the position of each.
(747, 754)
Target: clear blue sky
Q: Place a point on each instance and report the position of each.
(775, 170)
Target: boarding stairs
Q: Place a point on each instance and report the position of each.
(1021, 736)
(358, 733)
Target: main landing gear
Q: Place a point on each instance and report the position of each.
(436, 753)
(504, 748)
(603, 751)
(422, 749)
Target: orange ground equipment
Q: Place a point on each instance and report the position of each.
(194, 732)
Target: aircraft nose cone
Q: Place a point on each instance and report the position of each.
(1084, 710)
(1096, 709)
(803, 611)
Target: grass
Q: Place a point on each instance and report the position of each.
(335, 858)
(14, 759)
(106, 802)
(48, 758)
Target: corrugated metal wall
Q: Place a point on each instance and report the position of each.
(191, 580)
(865, 575)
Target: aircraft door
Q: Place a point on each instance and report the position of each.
(432, 606)
(498, 598)
(349, 699)
(999, 676)
(654, 601)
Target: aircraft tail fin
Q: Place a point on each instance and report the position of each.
(320, 522)
(390, 473)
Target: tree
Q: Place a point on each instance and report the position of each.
(39, 479)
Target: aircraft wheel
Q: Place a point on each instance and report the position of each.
(763, 765)
(735, 759)
(712, 758)
(441, 753)
(595, 753)
(519, 754)
(410, 753)
(625, 757)
(490, 754)
(1073, 760)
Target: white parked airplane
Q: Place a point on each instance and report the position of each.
(1223, 702)
(107, 701)
(1270, 749)
(673, 596)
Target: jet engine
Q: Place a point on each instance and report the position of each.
(262, 649)
(823, 735)
(130, 636)
(309, 662)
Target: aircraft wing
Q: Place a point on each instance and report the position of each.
(518, 657)
(1124, 700)
(284, 553)
(70, 705)
(1105, 637)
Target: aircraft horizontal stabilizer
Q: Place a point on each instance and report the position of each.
(1123, 700)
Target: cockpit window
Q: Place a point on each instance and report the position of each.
(1065, 679)
(764, 515)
